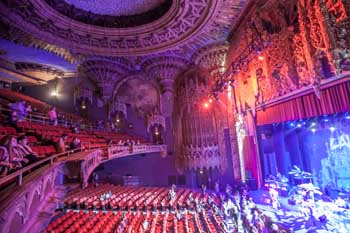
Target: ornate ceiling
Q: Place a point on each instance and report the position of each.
(186, 26)
(116, 7)
(157, 38)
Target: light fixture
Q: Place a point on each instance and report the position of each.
(83, 104)
(332, 128)
(54, 93)
(261, 58)
(206, 105)
(313, 130)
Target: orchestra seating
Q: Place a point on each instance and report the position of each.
(130, 197)
(130, 207)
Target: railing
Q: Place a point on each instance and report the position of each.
(42, 118)
(113, 152)
(19, 173)
(122, 151)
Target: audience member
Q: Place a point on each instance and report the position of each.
(5, 164)
(53, 116)
(21, 111)
(26, 150)
(75, 144)
(61, 147)
(9, 145)
(29, 109)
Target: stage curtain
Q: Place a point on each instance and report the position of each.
(333, 100)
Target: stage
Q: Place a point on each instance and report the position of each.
(291, 217)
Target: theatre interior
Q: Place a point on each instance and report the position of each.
(174, 116)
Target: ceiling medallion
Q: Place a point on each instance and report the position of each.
(112, 13)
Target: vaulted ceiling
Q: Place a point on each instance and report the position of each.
(133, 35)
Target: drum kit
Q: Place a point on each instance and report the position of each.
(301, 185)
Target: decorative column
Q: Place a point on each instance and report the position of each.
(165, 69)
(202, 124)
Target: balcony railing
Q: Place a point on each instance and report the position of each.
(122, 151)
(112, 152)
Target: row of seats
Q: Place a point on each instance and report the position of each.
(129, 197)
(153, 222)
(7, 130)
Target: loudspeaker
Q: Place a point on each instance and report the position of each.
(323, 218)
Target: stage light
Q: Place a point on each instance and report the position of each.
(206, 105)
(83, 106)
(313, 130)
(299, 125)
(118, 120)
(347, 117)
(261, 58)
(291, 124)
(326, 120)
(313, 123)
(210, 100)
(332, 128)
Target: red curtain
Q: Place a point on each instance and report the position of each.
(333, 100)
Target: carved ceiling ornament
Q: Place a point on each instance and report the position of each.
(188, 25)
(104, 73)
(12, 33)
(165, 69)
(28, 67)
(211, 57)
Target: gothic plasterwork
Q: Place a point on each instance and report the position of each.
(104, 73)
(212, 56)
(27, 66)
(188, 25)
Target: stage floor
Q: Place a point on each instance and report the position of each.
(290, 216)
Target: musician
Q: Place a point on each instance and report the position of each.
(274, 198)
